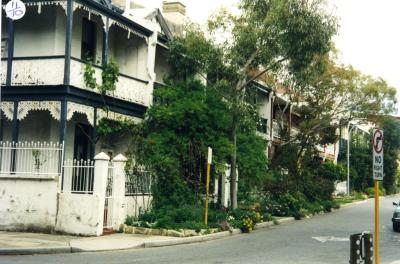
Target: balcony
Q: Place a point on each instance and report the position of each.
(32, 71)
(276, 131)
(128, 88)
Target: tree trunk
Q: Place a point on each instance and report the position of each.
(233, 166)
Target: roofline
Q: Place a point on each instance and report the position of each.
(110, 13)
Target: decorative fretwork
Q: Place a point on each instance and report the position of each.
(129, 30)
(54, 107)
(39, 4)
(8, 109)
(115, 116)
(80, 108)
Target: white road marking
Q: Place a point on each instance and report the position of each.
(331, 238)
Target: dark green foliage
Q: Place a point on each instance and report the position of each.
(252, 162)
(186, 217)
(109, 76)
(177, 131)
(391, 147)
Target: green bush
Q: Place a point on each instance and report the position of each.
(370, 191)
(130, 220)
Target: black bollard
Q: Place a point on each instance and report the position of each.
(368, 242)
(355, 249)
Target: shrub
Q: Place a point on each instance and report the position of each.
(130, 220)
(370, 191)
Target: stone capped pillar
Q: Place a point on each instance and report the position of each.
(119, 210)
(99, 186)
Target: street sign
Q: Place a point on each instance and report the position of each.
(377, 154)
(15, 9)
(209, 156)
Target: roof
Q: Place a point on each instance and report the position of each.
(146, 16)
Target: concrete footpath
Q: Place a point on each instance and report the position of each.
(22, 243)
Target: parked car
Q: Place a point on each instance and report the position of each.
(396, 217)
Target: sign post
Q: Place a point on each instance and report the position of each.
(377, 167)
(209, 160)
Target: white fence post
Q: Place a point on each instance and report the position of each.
(119, 191)
(99, 186)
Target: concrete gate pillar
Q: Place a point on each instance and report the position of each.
(119, 191)
(99, 186)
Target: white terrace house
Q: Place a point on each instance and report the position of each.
(44, 100)
(272, 108)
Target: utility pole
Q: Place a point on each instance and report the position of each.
(349, 129)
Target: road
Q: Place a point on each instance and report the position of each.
(320, 239)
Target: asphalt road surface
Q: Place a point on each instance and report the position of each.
(320, 239)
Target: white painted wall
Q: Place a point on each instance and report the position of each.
(61, 19)
(78, 214)
(136, 204)
(130, 53)
(28, 204)
(35, 34)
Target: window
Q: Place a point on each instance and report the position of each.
(262, 125)
(4, 47)
(88, 50)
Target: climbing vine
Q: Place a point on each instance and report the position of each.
(109, 76)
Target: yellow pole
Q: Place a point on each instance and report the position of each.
(376, 222)
(207, 190)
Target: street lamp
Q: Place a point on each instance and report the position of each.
(349, 129)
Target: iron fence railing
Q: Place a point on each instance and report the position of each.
(31, 158)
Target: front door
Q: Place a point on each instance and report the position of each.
(83, 173)
(82, 142)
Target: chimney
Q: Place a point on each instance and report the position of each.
(174, 13)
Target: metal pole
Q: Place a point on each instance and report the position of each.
(348, 157)
(348, 160)
(209, 160)
(376, 222)
(207, 191)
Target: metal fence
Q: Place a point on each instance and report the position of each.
(78, 176)
(138, 182)
(31, 158)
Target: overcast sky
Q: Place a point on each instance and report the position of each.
(368, 39)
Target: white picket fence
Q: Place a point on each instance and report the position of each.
(78, 176)
(30, 158)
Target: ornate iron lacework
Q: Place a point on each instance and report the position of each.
(80, 108)
(8, 109)
(115, 116)
(54, 107)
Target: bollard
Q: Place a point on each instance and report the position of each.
(355, 249)
(361, 248)
(368, 242)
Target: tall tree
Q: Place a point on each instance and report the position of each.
(269, 36)
(327, 96)
(391, 130)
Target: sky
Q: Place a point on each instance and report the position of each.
(368, 37)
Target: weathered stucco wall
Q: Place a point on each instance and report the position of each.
(28, 204)
(136, 204)
(77, 214)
